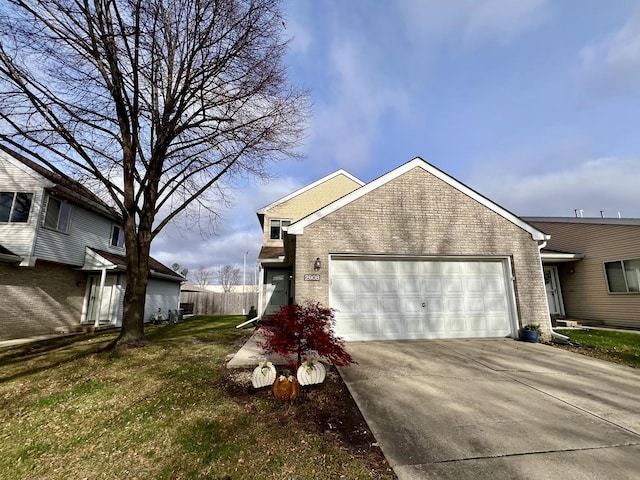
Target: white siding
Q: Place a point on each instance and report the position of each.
(19, 237)
(87, 229)
(163, 295)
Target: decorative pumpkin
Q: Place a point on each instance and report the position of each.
(263, 375)
(311, 373)
(286, 388)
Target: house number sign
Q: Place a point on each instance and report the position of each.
(312, 277)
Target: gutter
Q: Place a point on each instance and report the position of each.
(561, 338)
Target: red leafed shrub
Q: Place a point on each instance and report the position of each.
(297, 329)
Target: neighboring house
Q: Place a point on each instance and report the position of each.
(62, 257)
(413, 254)
(592, 268)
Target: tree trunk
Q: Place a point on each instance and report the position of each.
(138, 250)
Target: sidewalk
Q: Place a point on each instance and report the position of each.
(21, 341)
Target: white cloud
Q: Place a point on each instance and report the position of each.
(613, 62)
(359, 96)
(608, 184)
(472, 23)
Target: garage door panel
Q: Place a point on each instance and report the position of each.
(434, 322)
(367, 324)
(474, 305)
(453, 305)
(473, 285)
(414, 325)
(452, 285)
(389, 285)
(434, 304)
(449, 268)
(496, 304)
(389, 305)
(494, 285)
(344, 304)
(342, 287)
(393, 327)
(395, 299)
(456, 323)
(432, 285)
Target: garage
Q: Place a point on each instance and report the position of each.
(383, 298)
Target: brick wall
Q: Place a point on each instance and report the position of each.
(36, 300)
(418, 214)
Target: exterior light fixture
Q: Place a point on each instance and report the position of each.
(317, 264)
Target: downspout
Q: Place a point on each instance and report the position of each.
(260, 300)
(561, 338)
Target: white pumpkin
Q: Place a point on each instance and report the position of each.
(263, 375)
(311, 373)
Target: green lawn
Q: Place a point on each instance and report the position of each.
(69, 409)
(614, 346)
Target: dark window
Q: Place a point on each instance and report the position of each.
(117, 237)
(276, 228)
(623, 276)
(15, 207)
(58, 215)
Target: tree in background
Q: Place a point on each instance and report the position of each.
(228, 276)
(202, 276)
(157, 101)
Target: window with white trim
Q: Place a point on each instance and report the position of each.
(15, 207)
(623, 276)
(276, 228)
(58, 215)
(117, 236)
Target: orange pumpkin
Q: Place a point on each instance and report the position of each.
(286, 388)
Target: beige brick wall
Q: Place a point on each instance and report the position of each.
(36, 300)
(418, 214)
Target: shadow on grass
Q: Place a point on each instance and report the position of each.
(205, 329)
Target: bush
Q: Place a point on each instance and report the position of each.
(301, 330)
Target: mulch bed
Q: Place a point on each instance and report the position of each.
(327, 410)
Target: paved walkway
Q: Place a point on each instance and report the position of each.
(497, 409)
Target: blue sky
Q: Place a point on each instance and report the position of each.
(533, 103)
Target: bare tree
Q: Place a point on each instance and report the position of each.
(202, 276)
(160, 101)
(228, 276)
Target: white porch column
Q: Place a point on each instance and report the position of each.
(103, 278)
(260, 290)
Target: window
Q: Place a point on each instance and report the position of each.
(58, 215)
(276, 228)
(15, 206)
(623, 276)
(117, 237)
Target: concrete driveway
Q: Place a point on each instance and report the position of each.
(473, 409)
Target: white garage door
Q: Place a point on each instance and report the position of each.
(378, 299)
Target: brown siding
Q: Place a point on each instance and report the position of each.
(418, 214)
(36, 300)
(583, 283)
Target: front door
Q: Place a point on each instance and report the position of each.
(101, 308)
(278, 283)
(552, 285)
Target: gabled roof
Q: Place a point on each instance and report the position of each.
(63, 184)
(297, 228)
(113, 261)
(264, 209)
